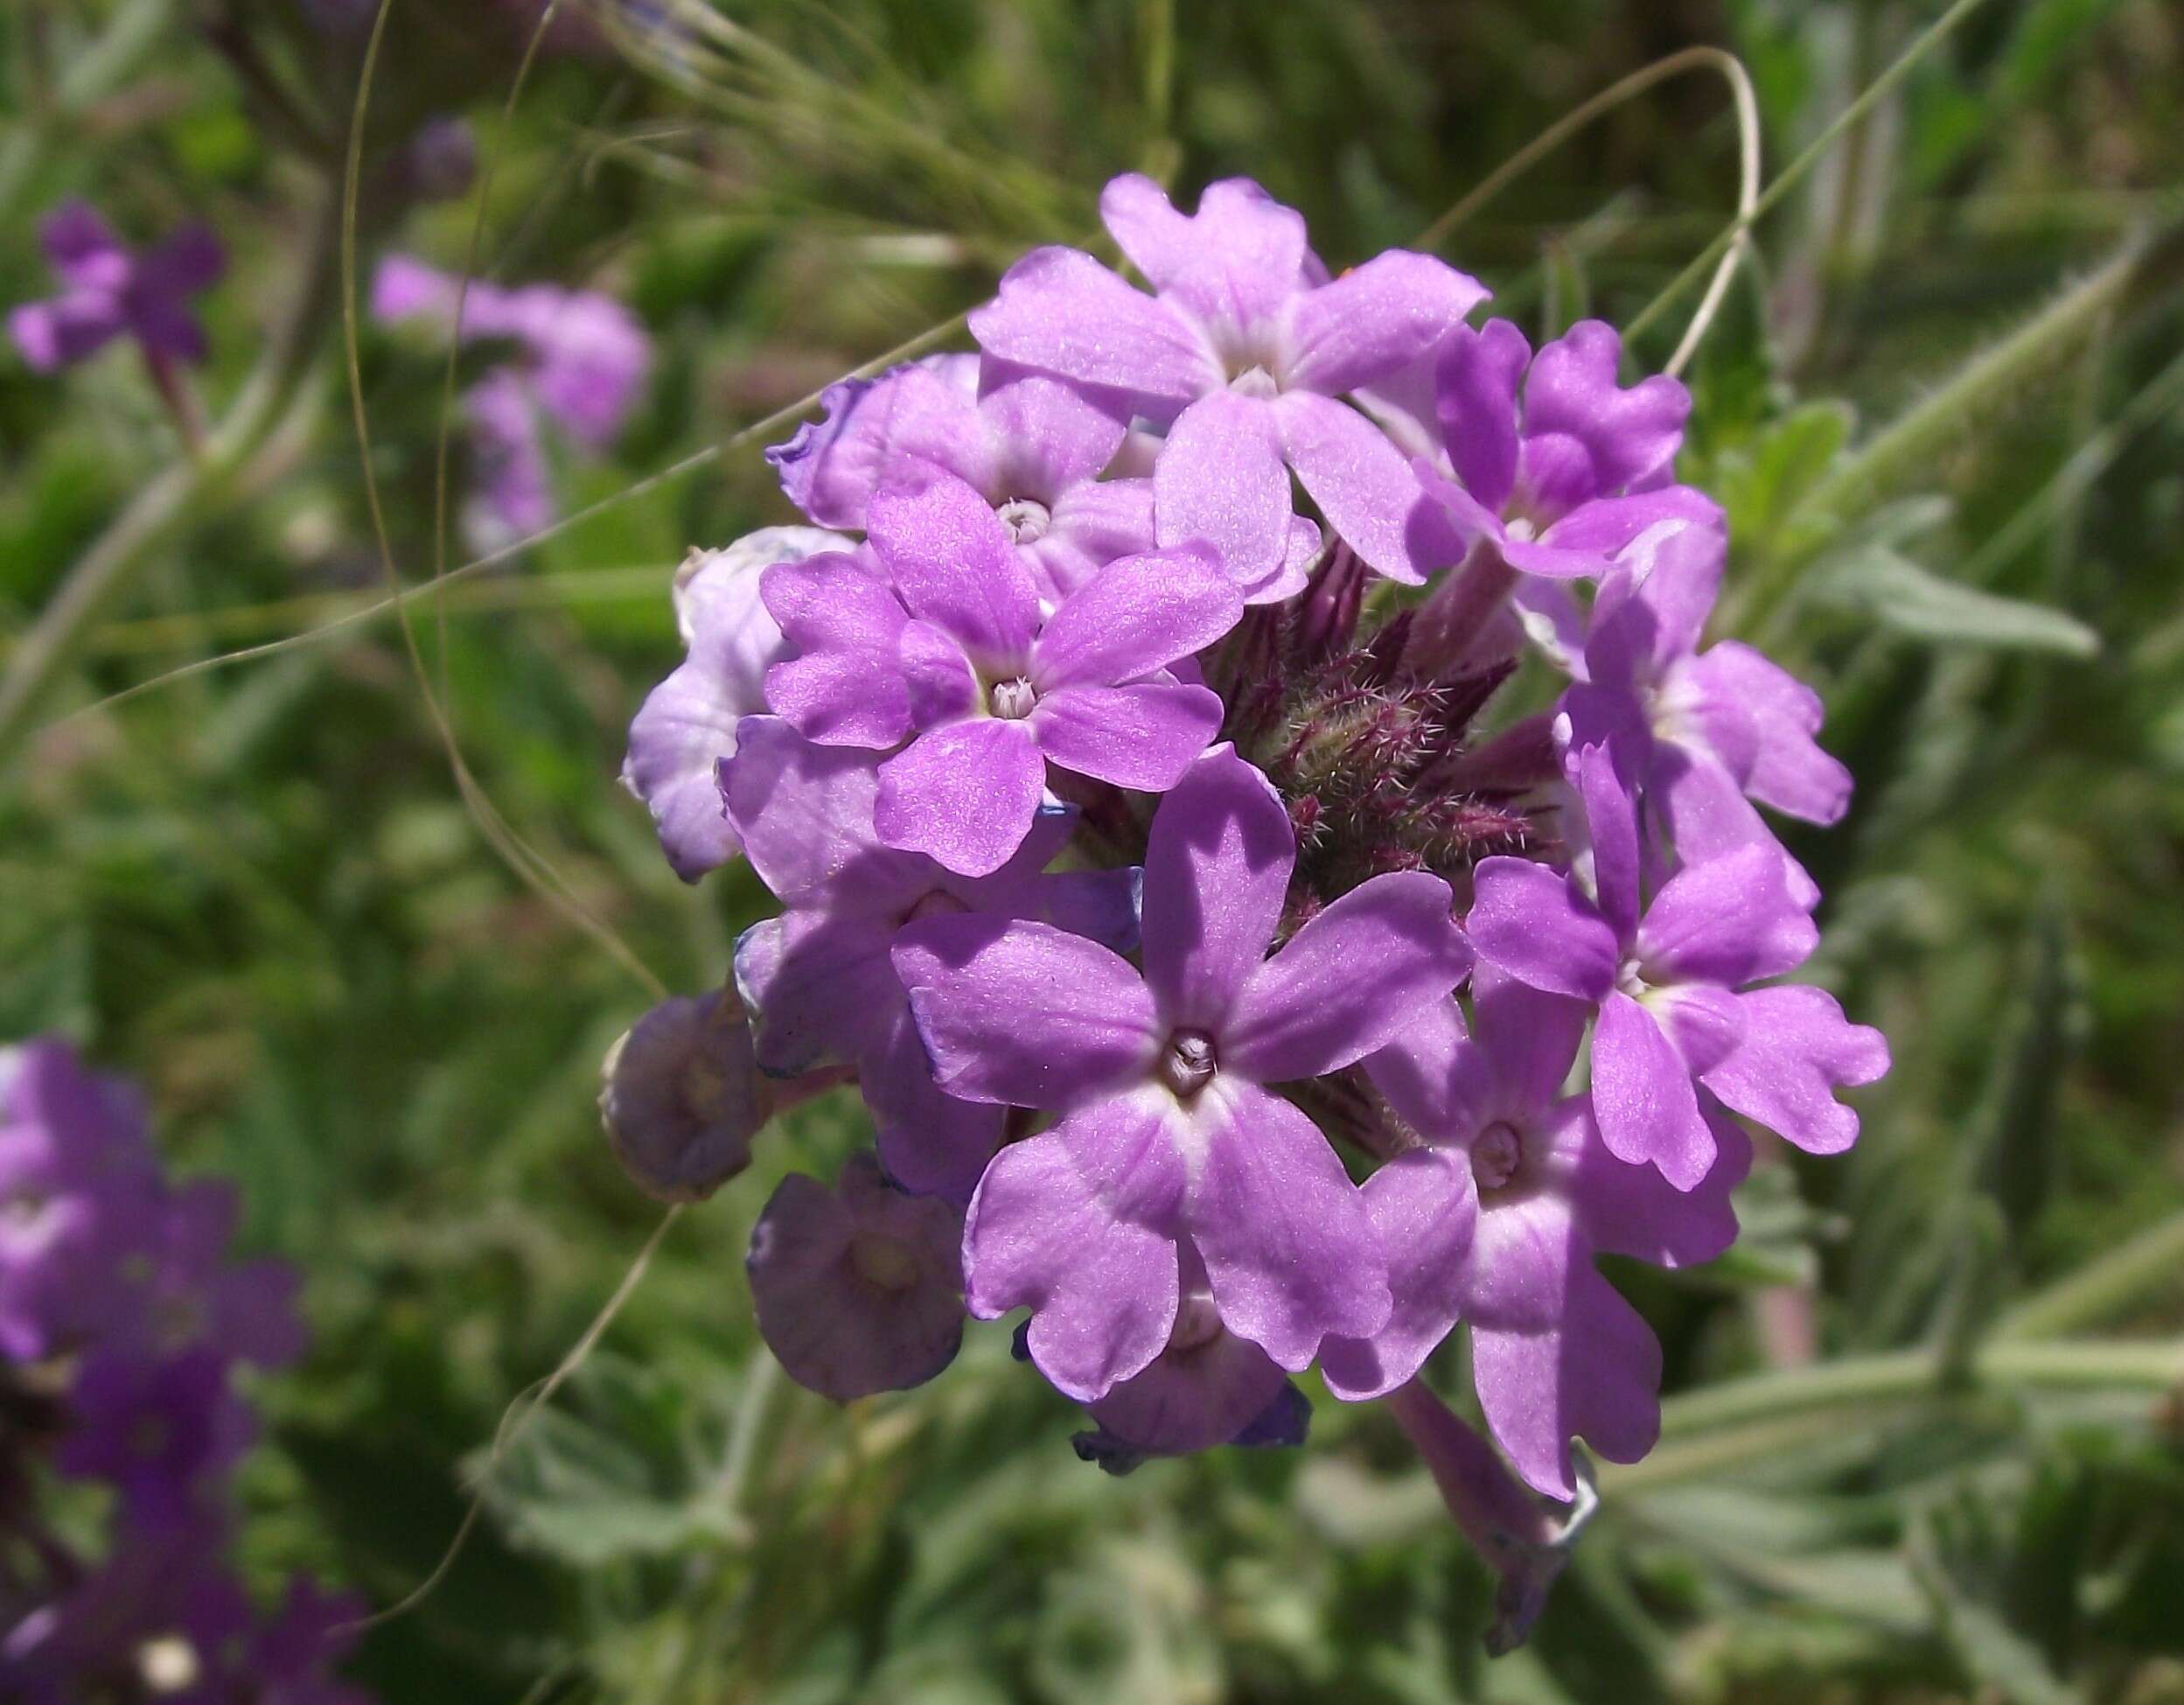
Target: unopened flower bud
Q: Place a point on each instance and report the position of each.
(681, 1097)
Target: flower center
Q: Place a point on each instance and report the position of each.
(1027, 520)
(1011, 701)
(1495, 1155)
(1522, 529)
(883, 1262)
(1256, 382)
(1187, 1063)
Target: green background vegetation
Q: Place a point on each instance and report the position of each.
(259, 888)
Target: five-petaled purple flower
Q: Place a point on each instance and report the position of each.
(1169, 1136)
(1034, 447)
(946, 647)
(1241, 354)
(1496, 1219)
(107, 292)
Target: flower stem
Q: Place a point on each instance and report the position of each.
(2146, 1263)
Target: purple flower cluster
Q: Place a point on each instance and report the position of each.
(579, 360)
(1142, 853)
(121, 1325)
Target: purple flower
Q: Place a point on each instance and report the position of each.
(106, 292)
(1697, 731)
(1560, 482)
(581, 361)
(1241, 354)
(1666, 978)
(80, 1193)
(819, 977)
(949, 649)
(155, 1429)
(688, 724)
(858, 1288)
(1497, 1220)
(1033, 447)
(1168, 1137)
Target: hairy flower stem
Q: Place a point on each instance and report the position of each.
(1452, 627)
(1518, 1535)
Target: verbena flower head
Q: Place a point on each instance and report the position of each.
(125, 1322)
(1118, 828)
(109, 291)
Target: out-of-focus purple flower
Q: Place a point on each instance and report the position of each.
(950, 650)
(1168, 1136)
(80, 1193)
(581, 359)
(1032, 446)
(858, 1288)
(1241, 354)
(108, 292)
(687, 726)
(152, 1321)
(439, 161)
(1666, 975)
(1497, 1220)
(682, 1096)
(819, 977)
(1557, 482)
(155, 1429)
(1699, 732)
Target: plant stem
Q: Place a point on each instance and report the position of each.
(2148, 1262)
(1799, 169)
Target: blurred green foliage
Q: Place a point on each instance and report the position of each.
(258, 887)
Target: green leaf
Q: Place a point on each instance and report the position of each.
(1905, 598)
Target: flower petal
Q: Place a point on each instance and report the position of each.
(1596, 1375)
(1365, 488)
(1533, 923)
(1730, 920)
(1025, 1013)
(1799, 1050)
(1049, 436)
(964, 795)
(1136, 616)
(1216, 870)
(1287, 1243)
(1476, 401)
(837, 1328)
(1232, 263)
(1530, 1038)
(845, 688)
(1079, 1225)
(1308, 1010)
(804, 813)
(931, 1144)
(1629, 438)
(822, 987)
(1424, 1211)
(1374, 319)
(1220, 481)
(1090, 526)
(1643, 1096)
(1789, 770)
(1061, 312)
(955, 564)
(1434, 1078)
(1143, 736)
(1626, 1209)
